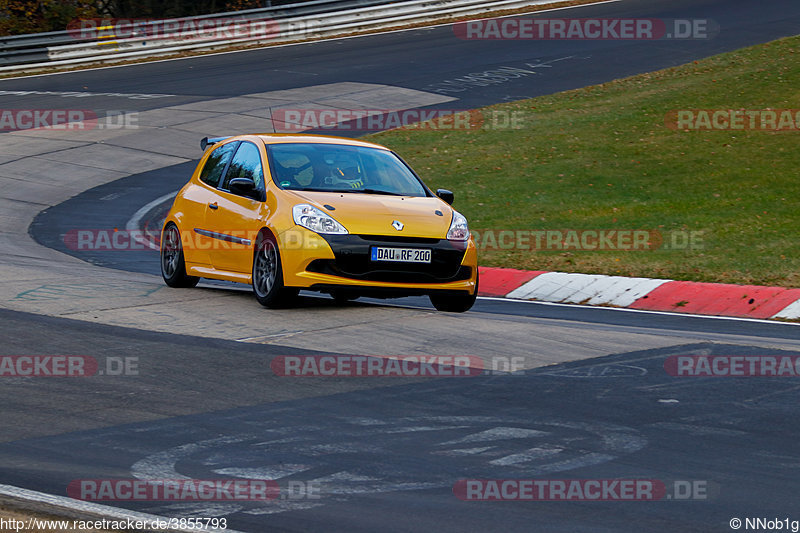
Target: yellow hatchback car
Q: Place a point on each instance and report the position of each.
(327, 214)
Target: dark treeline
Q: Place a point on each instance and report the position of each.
(34, 16)
(173, 8)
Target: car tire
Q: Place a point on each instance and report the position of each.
(452, 302)
(268, 275)
(173, 265)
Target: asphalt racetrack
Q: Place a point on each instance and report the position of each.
(591, 398)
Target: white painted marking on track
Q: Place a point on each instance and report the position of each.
(594, 289)
(414, 429)
(161, 465)
(622, 291)
(361, 421)
(614, 370)
(701, 431)
(527, 456)
(197, 510)
(281, 506)
(270, 472)
(312, 453)
(327, 449)
(499, 433)
(133, 225)
(346, 476)
(262, 338)
(82, 94)
(464, 451)
(791, 311)
(589, 459)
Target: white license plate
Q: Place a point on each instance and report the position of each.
(401, 255)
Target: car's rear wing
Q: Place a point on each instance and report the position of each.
(205, 142)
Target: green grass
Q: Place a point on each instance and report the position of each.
(602, 158)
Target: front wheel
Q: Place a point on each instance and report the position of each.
(173, 265)
(268, 276)
(455, 302)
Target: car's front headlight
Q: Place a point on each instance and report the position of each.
(312, 218)
(459, 231)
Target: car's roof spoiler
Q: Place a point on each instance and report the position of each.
(205, 142)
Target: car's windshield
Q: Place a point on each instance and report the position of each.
(341, 168)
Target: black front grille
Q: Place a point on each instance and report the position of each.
(330, 266)
(398, 239)
(353, 260)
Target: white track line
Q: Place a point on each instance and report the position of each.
(133, 225)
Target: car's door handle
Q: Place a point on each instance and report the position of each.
(213, 205)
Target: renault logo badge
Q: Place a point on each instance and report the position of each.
(398, 225)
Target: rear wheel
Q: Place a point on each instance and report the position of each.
(173, 266)
(453, 302)
(268, 276)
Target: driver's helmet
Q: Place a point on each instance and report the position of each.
(344, 167)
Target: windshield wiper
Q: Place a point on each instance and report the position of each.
(364, 191)
(315, 189)
(378, 191)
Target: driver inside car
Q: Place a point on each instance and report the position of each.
(344, 170)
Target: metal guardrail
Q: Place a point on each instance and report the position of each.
(309, 20)
(9, 45)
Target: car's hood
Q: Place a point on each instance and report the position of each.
(373, 214)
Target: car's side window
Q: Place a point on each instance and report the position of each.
(246, 164)
(216, 162)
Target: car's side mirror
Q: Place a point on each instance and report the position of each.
(445, 195)
(244, 187)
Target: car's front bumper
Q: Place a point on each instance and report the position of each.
(327, 263)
